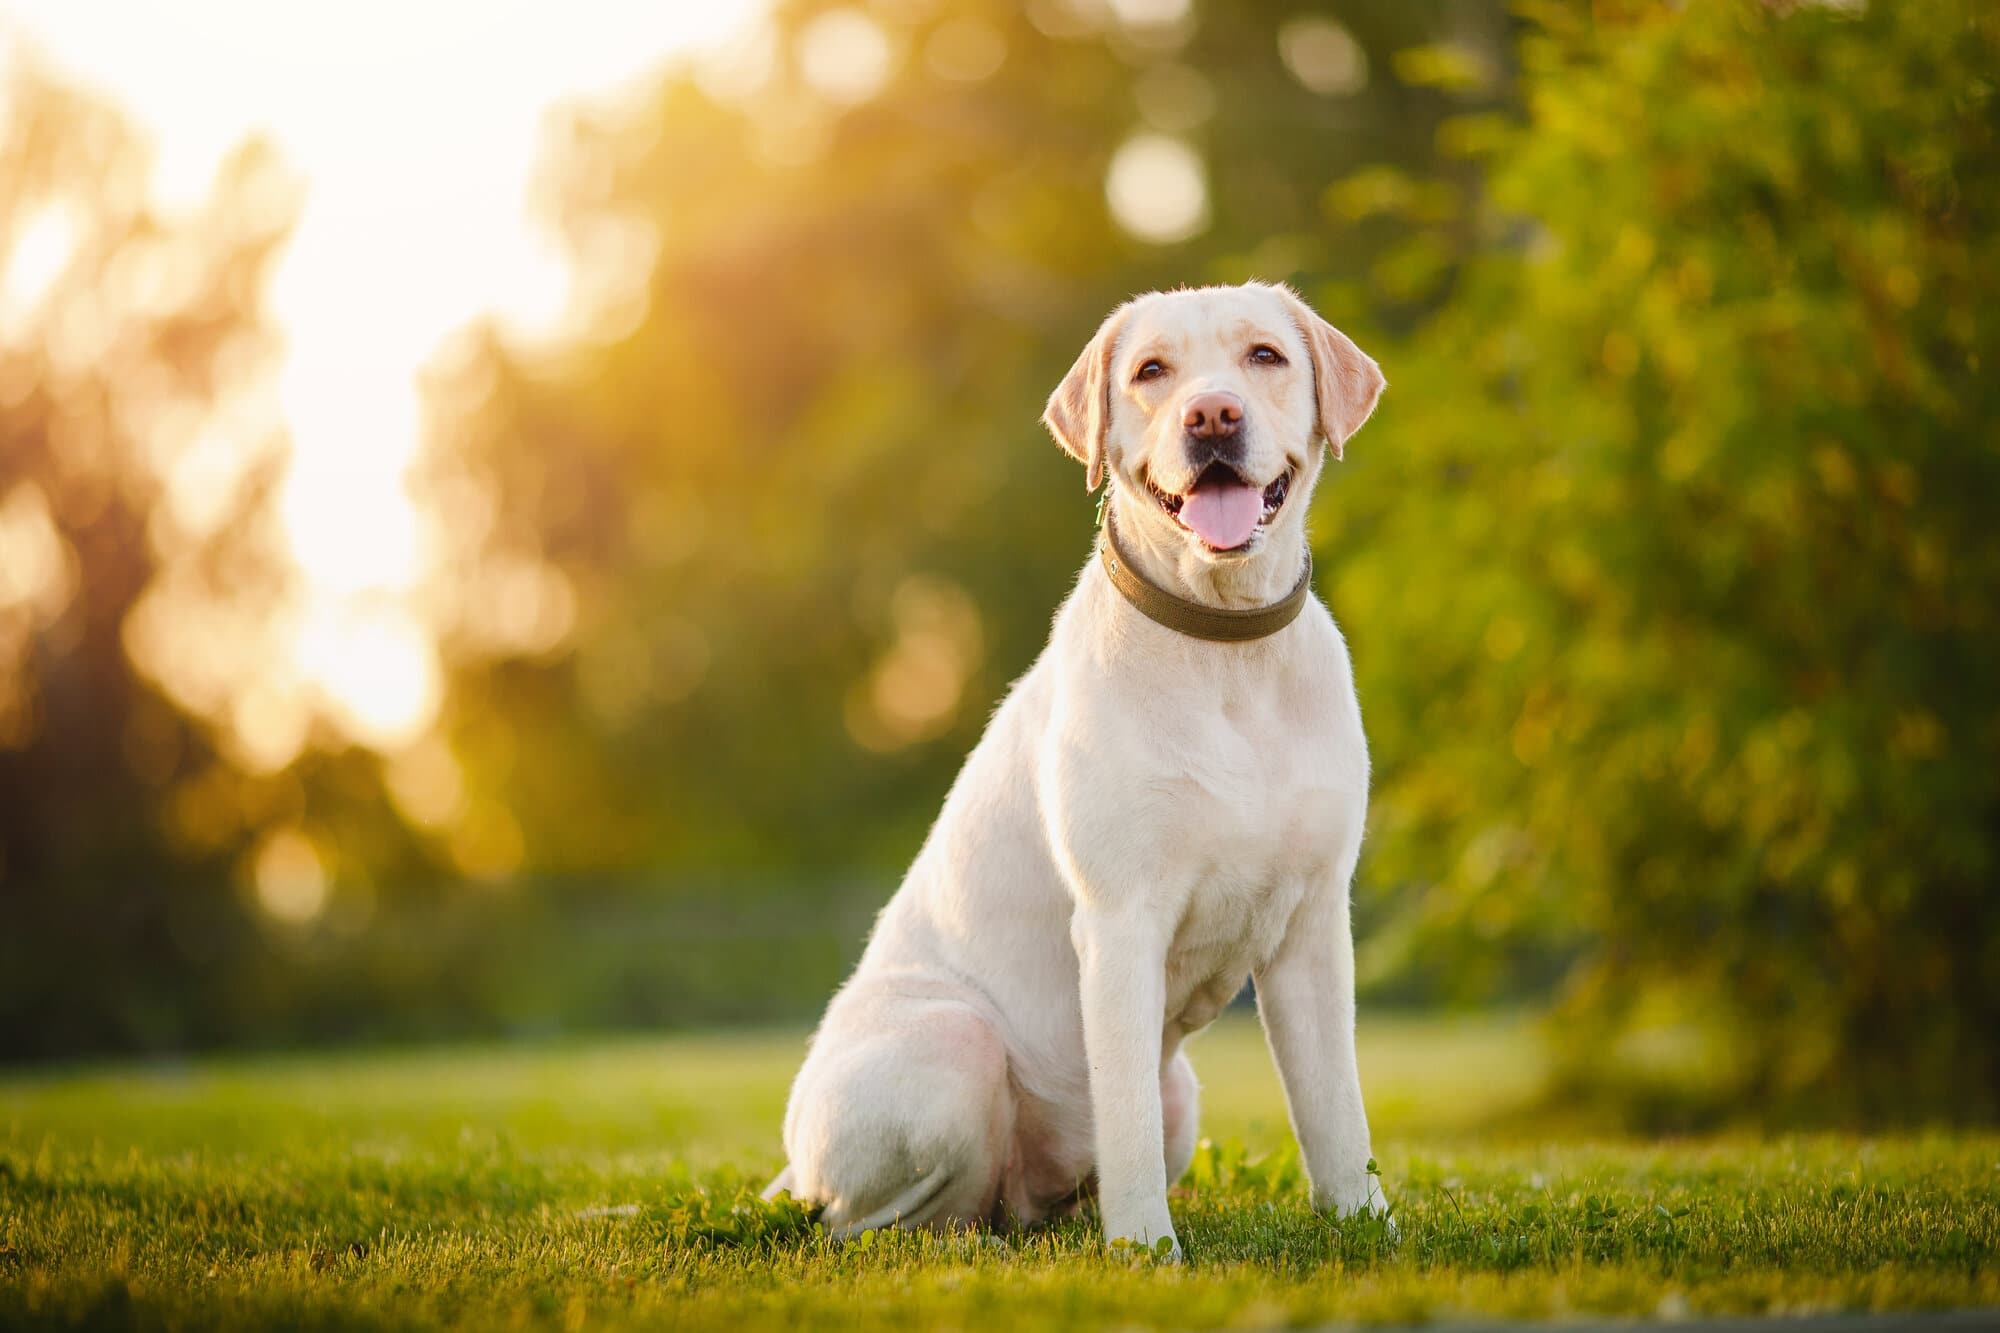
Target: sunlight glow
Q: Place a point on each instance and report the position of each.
(1323, 56)
(1158, 189)
(845, 55)
(290, 877)
(376, 666)
(31, 265)
(416, 129)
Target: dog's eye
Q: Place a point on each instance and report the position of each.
(1266, 355)
(1150, 370)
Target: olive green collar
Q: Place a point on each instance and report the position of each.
(1214, 623)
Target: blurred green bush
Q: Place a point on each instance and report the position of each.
(1674, 589)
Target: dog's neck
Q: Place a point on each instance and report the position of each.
(1166, 560)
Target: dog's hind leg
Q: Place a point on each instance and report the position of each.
(915, 1207)
(906, 1124)
(1180, 1114)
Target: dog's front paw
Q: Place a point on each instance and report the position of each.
(1167, 1249)
(1357, 1194)
(1154, 1236)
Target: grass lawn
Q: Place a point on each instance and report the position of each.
(597, 1185)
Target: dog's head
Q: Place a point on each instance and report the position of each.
(1208, 409)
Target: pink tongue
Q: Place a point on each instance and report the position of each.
(1223, 514)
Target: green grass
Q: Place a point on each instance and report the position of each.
(601, 1185)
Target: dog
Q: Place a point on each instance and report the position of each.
(1168, 803)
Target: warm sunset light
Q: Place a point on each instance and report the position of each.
(947, 664)
(413, 131)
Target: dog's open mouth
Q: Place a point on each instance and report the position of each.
(1221, 508)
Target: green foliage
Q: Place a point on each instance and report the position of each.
(789, 469)
(1668, 564)
(609, 1186)
(798, 488)
(701, 1220)
(1673, 576)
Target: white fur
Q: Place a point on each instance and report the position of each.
(1148, 820)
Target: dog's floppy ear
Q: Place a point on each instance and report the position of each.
(1079, 411)
(1346, 380)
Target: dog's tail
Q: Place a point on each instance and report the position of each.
(786, 1180)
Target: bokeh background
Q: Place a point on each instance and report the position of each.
(521, 544)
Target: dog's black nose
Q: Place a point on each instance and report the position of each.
(1213, 414)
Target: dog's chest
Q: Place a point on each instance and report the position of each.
(1257, 792)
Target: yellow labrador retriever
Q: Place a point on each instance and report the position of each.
(1168, 802)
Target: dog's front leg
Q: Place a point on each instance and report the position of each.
(1122, 969)
(1305, 997)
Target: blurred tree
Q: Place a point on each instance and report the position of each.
(1666, 564)
(1675, 580)
(745, 563)
(132, 529)
(741, 563)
